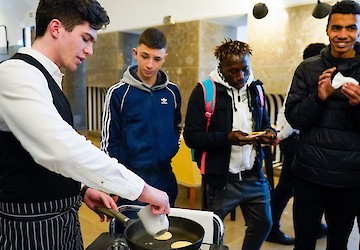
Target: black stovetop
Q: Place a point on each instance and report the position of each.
(106, 241)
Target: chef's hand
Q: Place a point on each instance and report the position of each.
(277, 142)
(114, 197)
(325, 89)
(351, 91)
(269, 137)
(94, 198)
(158, 199)
(240, 138)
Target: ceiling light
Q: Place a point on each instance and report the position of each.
(260, 10)
(321, 10)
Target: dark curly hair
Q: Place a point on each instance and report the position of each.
(70, 13)
(313, 49)
(345, 7)
(230, 47)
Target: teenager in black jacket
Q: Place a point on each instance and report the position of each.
(327, 160)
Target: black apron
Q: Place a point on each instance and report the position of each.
(38, 208)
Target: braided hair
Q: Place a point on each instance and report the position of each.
(230, 47)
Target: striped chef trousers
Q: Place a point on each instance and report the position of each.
(50, 225)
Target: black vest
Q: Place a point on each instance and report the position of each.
(21, 178)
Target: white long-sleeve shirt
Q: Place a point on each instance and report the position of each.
(27, 110)
(282, 126)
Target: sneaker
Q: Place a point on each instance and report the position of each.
(322, 231)
(280, 238)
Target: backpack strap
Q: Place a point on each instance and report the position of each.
(261, 94)
(209, 90)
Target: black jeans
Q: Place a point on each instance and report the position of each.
(340, 205)
(253, 196)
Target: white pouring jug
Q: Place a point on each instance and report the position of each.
(154, 224)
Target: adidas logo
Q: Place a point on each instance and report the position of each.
(164, 101)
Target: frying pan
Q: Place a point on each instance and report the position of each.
(182, 229)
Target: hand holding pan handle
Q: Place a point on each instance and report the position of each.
(111, 213)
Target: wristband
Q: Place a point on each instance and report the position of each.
(83, 191)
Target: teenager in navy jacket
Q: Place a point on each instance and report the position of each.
(141, 119)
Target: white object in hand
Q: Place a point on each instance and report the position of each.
(154, 224)
(340, 80)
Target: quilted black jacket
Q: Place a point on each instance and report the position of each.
(329, 150)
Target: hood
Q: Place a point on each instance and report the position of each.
(130, 77)
(345, 66)
(217, 78)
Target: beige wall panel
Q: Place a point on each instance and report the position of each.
(278, 41)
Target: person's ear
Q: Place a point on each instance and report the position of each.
(134, 50)
(54, 27)
(166, 55)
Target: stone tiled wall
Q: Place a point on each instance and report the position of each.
(212, 35)
(112, 54)
(278, 41)
(190, 48)
(182, 64)
(74, 87)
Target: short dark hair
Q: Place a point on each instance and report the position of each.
(313, 49)
(70, 13)
(345, 7)
(230, 47)
(153, 38)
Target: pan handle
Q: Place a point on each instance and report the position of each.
(111, 213)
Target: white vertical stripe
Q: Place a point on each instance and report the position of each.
(52, 229)
(4, 231)
(22, 236)
(174, 97)
(41, 237)
(57, 230)
(28, 239)
(98, 109)
(32, 208)
(47, 243)
(89, 107)
(107, 115)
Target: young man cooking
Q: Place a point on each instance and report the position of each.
(42, 158)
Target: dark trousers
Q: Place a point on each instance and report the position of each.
(340, 206)
(253, 196)
(284, 189)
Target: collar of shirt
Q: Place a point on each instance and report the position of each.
(49, 65)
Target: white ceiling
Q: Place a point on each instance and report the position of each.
(231, 20)
(122, 12)
(240, 19)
